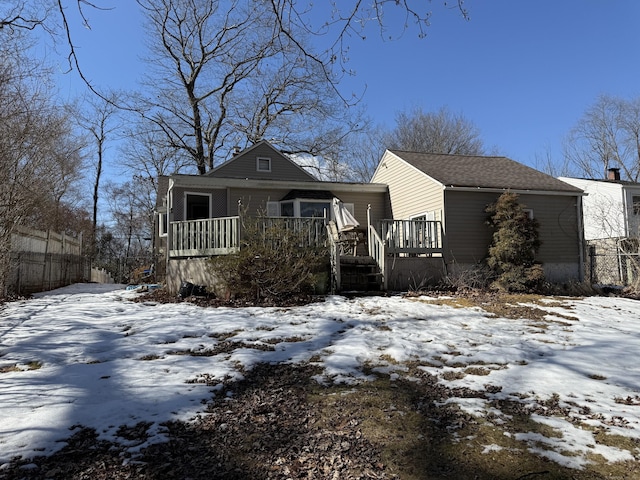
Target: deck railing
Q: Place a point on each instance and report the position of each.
(419, 237)
(222, 236)
(311, 231)
(210, 236)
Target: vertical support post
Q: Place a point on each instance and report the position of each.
(368, 228)
(240, 220)
(592, 263)
(44, 263)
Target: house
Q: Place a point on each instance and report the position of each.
(611, 225)
(421, 217)
(455, 190)
(198, 215)
(611, 208)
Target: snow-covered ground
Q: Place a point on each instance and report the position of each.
(86, 355)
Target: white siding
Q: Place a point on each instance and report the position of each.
(603, 207)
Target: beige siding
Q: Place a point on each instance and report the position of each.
(244, 166)
(468, 237)
(411, 192)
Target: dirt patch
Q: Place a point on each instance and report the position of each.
(504, 305)
(279, 423)
(162, 296)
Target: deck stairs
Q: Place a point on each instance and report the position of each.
(360, 274)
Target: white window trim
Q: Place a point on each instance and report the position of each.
(426, 216)
(163, 219)
(258, 169)
(296, 206)
(200, 194)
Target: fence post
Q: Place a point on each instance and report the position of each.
(44, 262)
(592, 263)
(19, 280)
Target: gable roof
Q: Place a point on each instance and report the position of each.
(243, 165)
(475, 171)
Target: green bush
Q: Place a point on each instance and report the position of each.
(275, 264)
(514, 246)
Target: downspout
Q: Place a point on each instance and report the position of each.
(580, 239)
(169, 230)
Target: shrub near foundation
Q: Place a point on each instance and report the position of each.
(273, 265)
(514, 246)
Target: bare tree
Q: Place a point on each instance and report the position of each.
(364, 153)
(145, 157)
(62, 203)
(607, 136)
(99, 119)
(351, 19)
(33, 139)
(24, 15)
(133, 223)
(545, 162)
(223, 76)
(435, 132)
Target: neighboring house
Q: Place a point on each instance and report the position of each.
(455, 189)
(611, 208)
(198, 215)
(611, 226)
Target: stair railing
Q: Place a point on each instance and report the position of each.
(377, 248)
(334, 255)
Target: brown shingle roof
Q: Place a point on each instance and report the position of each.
(483, 172)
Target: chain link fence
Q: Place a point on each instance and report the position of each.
(612, 265)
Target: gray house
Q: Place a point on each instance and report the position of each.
(455, 189)
(199, 215)
(421, 217)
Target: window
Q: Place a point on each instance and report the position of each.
(197, 206)
(286, 209)
(635, 200)
(162, 224)
(263, 164)
(315, 209)
(529, 212)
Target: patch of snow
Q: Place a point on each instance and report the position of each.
(106, 361)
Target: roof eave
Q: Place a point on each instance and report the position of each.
(514, 190)
(202, 181)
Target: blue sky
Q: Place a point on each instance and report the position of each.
(523, 71)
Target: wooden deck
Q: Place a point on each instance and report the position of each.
(421, 239)
(222, 236)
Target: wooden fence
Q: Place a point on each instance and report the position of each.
(43, 261)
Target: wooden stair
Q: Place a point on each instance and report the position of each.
(360, 274)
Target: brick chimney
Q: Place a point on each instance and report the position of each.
(613, 174)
